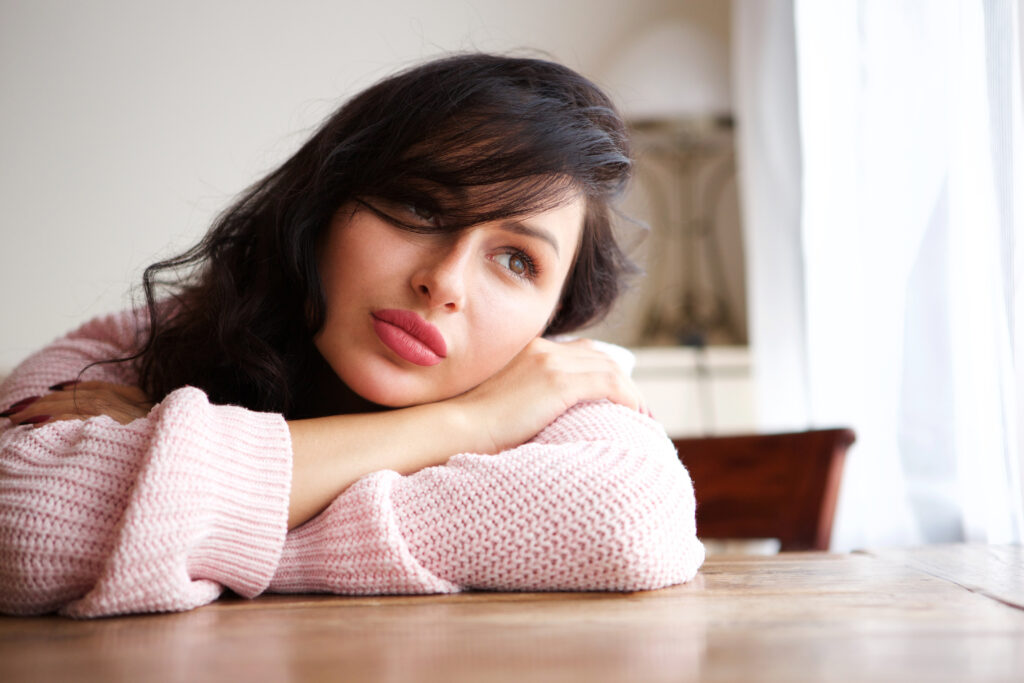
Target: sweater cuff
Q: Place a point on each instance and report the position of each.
(247, 477)
(208, 509)
(355, 547)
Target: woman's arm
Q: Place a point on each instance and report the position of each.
(541, 383)
(332, 453)
(100, 518)
(597, 501)
(103, 518)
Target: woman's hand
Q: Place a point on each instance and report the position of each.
(542, 382)
(80, 401)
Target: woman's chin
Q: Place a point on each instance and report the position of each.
(393, 394)
(390, 386)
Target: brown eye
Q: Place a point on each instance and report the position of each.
(517, 263)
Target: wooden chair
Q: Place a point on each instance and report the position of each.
(780, 486)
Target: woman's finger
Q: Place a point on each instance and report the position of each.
(606, 377)
(129, 392)
(81, 401)
(610, 385)
(123, 417)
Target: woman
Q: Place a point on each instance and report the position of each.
(346, 386)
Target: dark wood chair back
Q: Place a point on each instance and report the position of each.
(780, 486)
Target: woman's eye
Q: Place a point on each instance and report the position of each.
(516, 262)
(425, 215)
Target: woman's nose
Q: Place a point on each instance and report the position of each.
(441, 278)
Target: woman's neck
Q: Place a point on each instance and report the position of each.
(328, 395)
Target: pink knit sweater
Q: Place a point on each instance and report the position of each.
(98, 518)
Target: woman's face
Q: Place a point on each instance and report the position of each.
(417, 317)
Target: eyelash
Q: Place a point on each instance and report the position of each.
(532, 270)
(418, 212)
(423, 225)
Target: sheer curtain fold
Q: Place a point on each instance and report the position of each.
(910, 182)
(769, 170)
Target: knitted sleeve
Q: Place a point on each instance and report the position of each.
(597, 501)
(99, 518)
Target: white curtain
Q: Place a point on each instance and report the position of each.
(769, 168)
(899, 314)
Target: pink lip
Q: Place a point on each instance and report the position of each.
(410, 336)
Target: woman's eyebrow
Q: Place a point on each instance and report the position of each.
(521, 228)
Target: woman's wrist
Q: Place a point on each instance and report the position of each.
(459, 423)
(331, 453)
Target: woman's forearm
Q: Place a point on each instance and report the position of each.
(598, 500)
(543, 381)
(331, 453)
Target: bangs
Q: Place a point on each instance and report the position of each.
(457, 207)
(502, 156)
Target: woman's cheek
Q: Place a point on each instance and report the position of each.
(505, 330)
(519, 311)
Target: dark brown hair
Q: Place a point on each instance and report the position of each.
(471, 137)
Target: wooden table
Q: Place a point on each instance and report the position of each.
(945, 613)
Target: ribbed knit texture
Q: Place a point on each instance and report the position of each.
(99, 518)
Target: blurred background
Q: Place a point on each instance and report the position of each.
(128, 125)
(827, 199)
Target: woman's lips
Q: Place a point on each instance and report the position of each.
(410, 336)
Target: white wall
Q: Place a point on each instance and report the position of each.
(125, 125)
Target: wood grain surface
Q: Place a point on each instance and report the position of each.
(939, 614)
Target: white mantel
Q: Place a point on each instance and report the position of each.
(698, 392)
